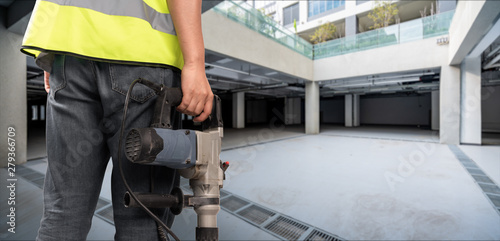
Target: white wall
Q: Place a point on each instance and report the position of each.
(422, 54)
(407, 110)
(227, 37)
(471, 21)
(489, 108)
(449, 105)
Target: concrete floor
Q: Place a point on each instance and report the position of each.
(361, 183)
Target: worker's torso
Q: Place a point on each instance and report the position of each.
(132, 31)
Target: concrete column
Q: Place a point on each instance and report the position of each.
(449, 105)
(13, 97)
(470, 115)
(355, 110)
(351, 110)
(435, 110)
(348, 110)
(297, 110)
(312, 107)
(239, 110)
(351, 25)
(292, 111)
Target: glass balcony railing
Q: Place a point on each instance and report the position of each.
(252, 18)
(417, 29)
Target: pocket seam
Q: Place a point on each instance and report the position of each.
(63, 76)
(115, 87)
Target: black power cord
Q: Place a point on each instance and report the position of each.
(120, 144)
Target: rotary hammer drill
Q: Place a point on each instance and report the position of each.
(194, 153)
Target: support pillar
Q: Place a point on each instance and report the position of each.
(355, 110)
(470, 116)
(435, 110)
(351, 26)
(351, 110)
(292, 111)
(12, 94)
(312, 107)
(239, 110)
(449, 105)
(348, 110)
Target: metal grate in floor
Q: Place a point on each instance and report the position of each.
(256, 214)
(287, 228)
(233, 203)
(489, 188)
(37, 179)
(106, 214)
(223, 193)
(101, 203)
(275, 223)
(483, 179)
(281, 226)
(321, 236)
(30, 175)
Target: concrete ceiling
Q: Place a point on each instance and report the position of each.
(5, 3)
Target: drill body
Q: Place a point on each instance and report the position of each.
(196, 155)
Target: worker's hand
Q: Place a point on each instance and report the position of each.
(197, 97)
(46, 81)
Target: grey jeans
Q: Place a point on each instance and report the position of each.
(84, 114)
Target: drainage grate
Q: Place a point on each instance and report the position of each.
(476, 171)
(30, 175)
(21, 170)
(489, 188)
(275, 223)
(495, 200)
(106, 214)
(39, 182)
(287, 228)
(318, 235)
(33, 176)
(483, 179)
(223, 193)
(468, 164)
(233, 203)
(256, 214)
(101, 203)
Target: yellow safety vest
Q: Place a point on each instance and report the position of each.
(131, 31)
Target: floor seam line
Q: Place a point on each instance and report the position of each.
(379, 138)
(261, 143)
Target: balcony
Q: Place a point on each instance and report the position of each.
(252, 18)
(417, 29)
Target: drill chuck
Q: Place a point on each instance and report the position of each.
(164, 147)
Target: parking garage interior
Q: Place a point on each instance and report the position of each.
(344, 183)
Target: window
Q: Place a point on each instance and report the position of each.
(290, 13)
(317, 7)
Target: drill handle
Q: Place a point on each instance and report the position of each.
(215, 118)
(168, 99)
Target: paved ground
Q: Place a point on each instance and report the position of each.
(354, 183)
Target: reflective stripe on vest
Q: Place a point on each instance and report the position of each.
(132, 31)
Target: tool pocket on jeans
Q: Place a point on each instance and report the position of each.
(57, 79)
(122, 77)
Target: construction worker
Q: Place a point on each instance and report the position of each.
(93, 50)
